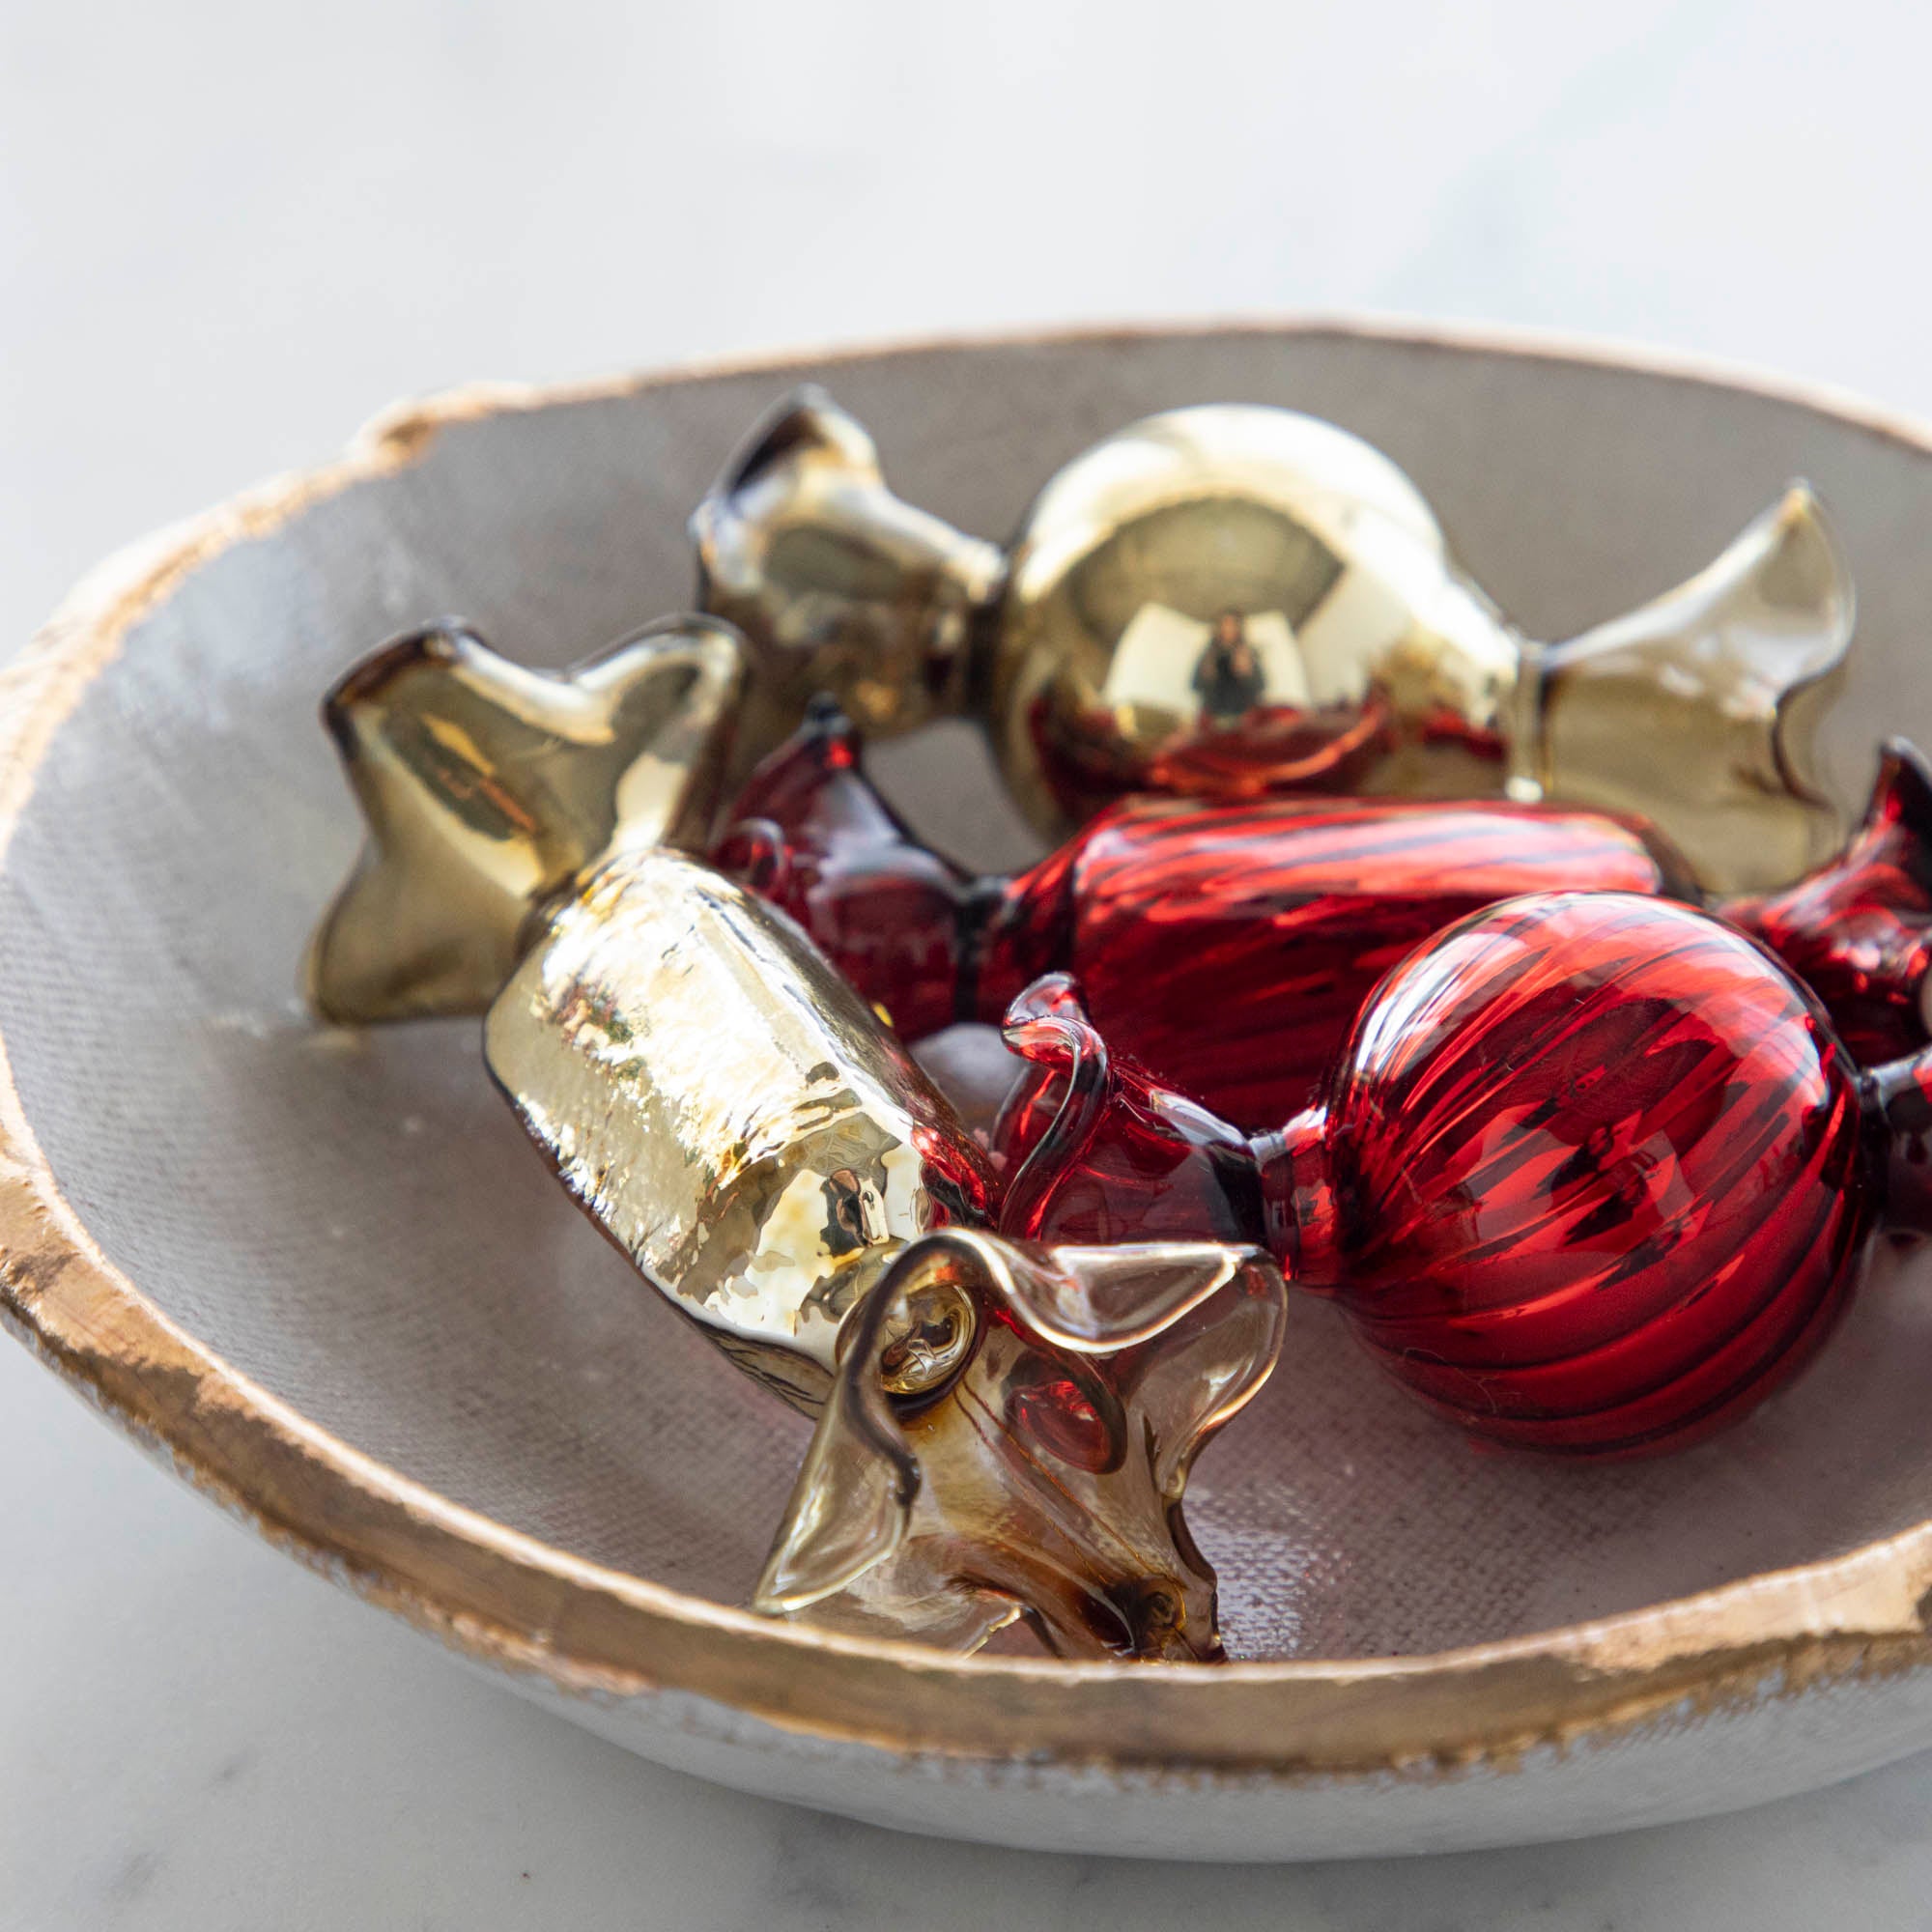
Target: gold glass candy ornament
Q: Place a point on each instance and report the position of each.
(489, 787)
(1043, 1473)
(767, 1153)
(836, 583)
(1232, 599)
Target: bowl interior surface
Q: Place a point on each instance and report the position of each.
(355, 1222)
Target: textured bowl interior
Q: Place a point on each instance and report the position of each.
(356, 1223)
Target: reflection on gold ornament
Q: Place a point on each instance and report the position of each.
(1233, 599)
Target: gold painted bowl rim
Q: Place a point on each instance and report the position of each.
(515, 1603)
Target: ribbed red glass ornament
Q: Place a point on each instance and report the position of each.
(1591, 1175)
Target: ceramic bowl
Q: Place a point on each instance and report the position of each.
(323, 1274)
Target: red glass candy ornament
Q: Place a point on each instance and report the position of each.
(1123, 1158)
(1859, 931)
(1591, 1175)
(810, 834)
(1229, 947)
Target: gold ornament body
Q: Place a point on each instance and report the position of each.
(1233, 599)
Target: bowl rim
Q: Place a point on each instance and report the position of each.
(515, 1603)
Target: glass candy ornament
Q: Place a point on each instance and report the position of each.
(1591, 1175)
(1229, 600)
(445, 743)
(1229, 947)
(1858, 930)
(836, 583)
(762, 1148)
(1034, 1466)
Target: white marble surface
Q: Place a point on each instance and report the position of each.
(228, 232)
